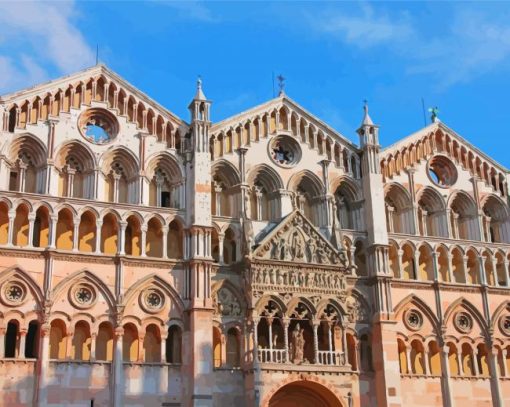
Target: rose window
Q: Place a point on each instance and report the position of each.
(284, 151)
(98, 126)
(463, 322)
(414, 320)
(442, 171)
(504, 324)
(82, 296)
(152, 300)
(14, 293)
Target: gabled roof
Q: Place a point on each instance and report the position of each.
(85, 74)
(276, 103)
(295, 239)
(425, 131)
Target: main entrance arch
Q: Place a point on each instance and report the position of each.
(304, 393)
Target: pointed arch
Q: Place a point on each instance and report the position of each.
(423, 307)
(19, 272)
(463, 303)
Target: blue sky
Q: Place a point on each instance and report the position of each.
(333, 55)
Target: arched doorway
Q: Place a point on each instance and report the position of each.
(304, 393)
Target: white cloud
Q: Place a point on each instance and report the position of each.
(471, 43)
(191, 9)
(42, 31)
(366, 28)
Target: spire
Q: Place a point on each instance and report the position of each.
(367, 121)
(200, 94)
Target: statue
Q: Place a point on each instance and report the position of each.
(298, 251)
(297, 345)
(433, 114)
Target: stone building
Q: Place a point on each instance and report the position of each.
(264, 260)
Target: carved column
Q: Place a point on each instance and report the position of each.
(118, 373)
(143, 231)
(315, 341)
(122, 238)
(41, 393)
(164, 253)
(285, 323)
(450, 275)
(31, 221)
(497, 399)
(76, 230)
(53, 231)
(446, 376)
(22, 343)
(2, 342)
(93, 340)
(408, 359)
(221, 238)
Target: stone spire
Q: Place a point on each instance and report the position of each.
(367, 121)
(199, 95)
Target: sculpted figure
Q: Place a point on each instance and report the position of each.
(298, 344)
(298, 250)
(266, 276)
(312, 248)
(279, 278)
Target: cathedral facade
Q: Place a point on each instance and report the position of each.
(264, 260)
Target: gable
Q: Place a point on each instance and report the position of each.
(296, 240)
(279, 116)
(97, 86)
(438, 139)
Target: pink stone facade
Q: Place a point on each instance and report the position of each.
(264, 260)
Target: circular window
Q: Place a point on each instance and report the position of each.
(463, 322)
(284, 151)
(83, 296)
(504, 325)
(98, 126)
(152, 300)
(14, 293)
(413, 320)
(441, 171)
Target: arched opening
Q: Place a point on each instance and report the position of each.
(432, 214)
(467, 360)
(434, 355)
(76, 171)
(109, 234)
(65, 228)
(482, 359)
(4, 223)
(87, 232)
(20, 236)
(443, 264)
(165, 181)
(154, 240)
(265, 185)
(133, 236)
(458, 266)
(120, 170)
(402, 357)
(32, 340)
(27, 172)
(393, 260)
(496, 221)
(347, 210)
(12, 339)
(174, 345)
(215, 246)
(81, 344)
(130, 343)
(463, 218)
(225, 190)
(104, 342)
(365, 351)
(408, 264)
(417, 357)
(152, 344)
(233, 348)
(175, 239)
(217, 351)
(399, 215)
(425, 266)
(473, 268)
(307, 187)
(453, 361)
(351, 351)
(41, 227)
(229, 247)
(58, 335)
(304, 393)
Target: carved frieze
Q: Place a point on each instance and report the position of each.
(297, 240)
(226, 304)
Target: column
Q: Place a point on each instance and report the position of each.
(43, 362)
(118, 376)
(417, 265)
(455, 225)
(476, 370)
(93, 340)
(408, 359)
(286, 322)
(424, 215)
(315, 341)
(450, 275)
(76, 229)
(99, 225)
(255, 341)
(217, 194)
(426, 363)
(390, 210)
(465, 268)
(503, 361)
(122, 238)
(12, 215)
(460, 362)
(2, 342)
(159, 186)
(445, 376)
(400, 253)
(22, 343)
(21, 176)
(53, 231)
(221, 238)
(507, 280)
(163, 384)
(70, 180)
(116, 178)
(270, 329)
(165, 241)
(143, 230)
(258, 202)
(494, 271)
(31, 221)
(448, 223)
(497, 399)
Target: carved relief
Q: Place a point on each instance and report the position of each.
(297, 240)
(226, 303)
(356, 311)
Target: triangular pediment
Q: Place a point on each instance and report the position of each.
(437, 138)
(296, 240)
(85, 78)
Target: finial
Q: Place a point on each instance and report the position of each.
(281, 84)
(366, 118)
(200, 94)
(433, 114)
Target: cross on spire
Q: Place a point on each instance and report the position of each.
(281, 84)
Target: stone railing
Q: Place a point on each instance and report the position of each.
(272, 355)
(334, 358)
